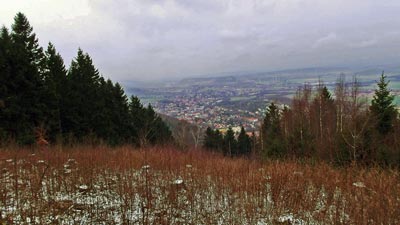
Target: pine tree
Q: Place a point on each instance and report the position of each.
(5, 73)
(120, 113)
(383, 115)
(272, 140)
(213, 140)
(5, 45)
(208, 139)
(83, 101)
(37, 91)
(105, 126)
(218, 141)
(157, 132)
(25, 108)
(55, 77)
(148, 127)
(136, 118)
(382, 107)
(244, 142)
(230, 143)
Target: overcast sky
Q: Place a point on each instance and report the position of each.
(154, 39)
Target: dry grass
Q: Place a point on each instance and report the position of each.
(164, 186)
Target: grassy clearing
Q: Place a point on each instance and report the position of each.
(241, 98)
(164, 186)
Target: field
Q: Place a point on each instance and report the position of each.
(100, 185)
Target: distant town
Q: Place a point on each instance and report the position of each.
(235, 101)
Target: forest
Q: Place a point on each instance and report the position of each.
(42, 100)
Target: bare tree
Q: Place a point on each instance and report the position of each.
(196, 133)
(356, 121)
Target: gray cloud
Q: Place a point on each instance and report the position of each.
(155, 39)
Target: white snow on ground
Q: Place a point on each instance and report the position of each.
(178, 181)
(138, 197)
(359, 184)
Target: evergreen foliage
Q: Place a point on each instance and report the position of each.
(382, 107)
(209, 139)
(24, 106)
(37, 91)
(244, 142)
(213, 140)
(55, 77)
(271, 135)
(382, 139)
(5, 84)
(230, 143)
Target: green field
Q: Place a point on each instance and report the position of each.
(241, 98)
(397, 100)
(395, 85)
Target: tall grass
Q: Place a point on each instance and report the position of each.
(165, 186)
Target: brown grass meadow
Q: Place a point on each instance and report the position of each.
(101, 185)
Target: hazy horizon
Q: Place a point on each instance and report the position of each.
(173, 39)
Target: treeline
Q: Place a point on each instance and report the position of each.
(228, 144)
(39, 96)
(342, 129)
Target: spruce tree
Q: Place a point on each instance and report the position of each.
(37, 91)
(244, 142)
(5, 47)
(384, 114)
(148, 127)
(230, 143)
(26, 108)
(5, 85)
(55, 77)
(208, 139)
(213, 140)
(382, 108)
(119, 114)
(105, 127)
(83, 101)
(137, 121)
(162, 133)
(218, 140)
(326, 95)
(272, 140)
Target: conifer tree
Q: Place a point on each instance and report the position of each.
(382, 107)
(82, 102)
(157, 131)
(26, 108)
(272, 140)
(230, 143)
(5, 73)
(213, 140)
(5, 47)
(244, 142)
(208, 139)
(136, 118)
(218, 140)
(120, 113)
(383, 118)
(55, 77)
(37, 91)
(105, 127)
(148, 127)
